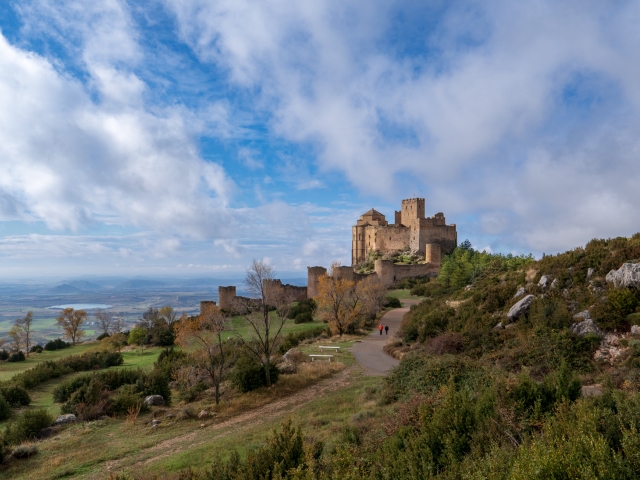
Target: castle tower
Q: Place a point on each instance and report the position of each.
(384, 271)
(433, 253)
(226, 297)
(313, 274)
(345, 273)
(412, 209)
(204, 304)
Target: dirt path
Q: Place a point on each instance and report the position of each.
(369, 354)
(282, 407)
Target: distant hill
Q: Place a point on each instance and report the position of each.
(64, 288)
(138, 283)
(84, 285)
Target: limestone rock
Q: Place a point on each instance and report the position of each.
(499, 326)
(203, 414)
(635, 329)
(520, 308)
(585, 327)
(64, 419)
(554, 284)
(544, 282)
(511, 325)
(590, 272)
(628, 275)
(154, 400)
(610, 349)
(521, 291)
(468, 287)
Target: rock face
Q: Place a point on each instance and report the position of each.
(544, 282)
(154, 400)
(584, 324)
(628, 275)
(521, 291)
(520, 308)
(64, 419)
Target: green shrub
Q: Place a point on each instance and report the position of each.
(293, 339)
(125, 398)
(155, 383)
(27, 426)
(17, 357)
(614, 312)
(304, 317)
(4, 355)
(103, 335)
(56, 344)
(111, 380)
(303, 306)
(5, 410)
(249, 375)
(393, 302)
(36, 349)
(15, 395)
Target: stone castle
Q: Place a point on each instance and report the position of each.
(428, 238)
(411, 231)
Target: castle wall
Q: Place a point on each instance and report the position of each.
(387, 238)
(433, 253)
(426, 232)
(358, 249)
(313, 274)
(226, 297)
(391, 273)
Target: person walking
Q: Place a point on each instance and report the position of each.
(380, 328)
(386, 329)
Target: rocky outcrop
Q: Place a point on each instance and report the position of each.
(544, 282)
(64, 419)
(521, 291)
(154, 400)
(584, 324)
(520, 308)
(628, 275)
(610, 349)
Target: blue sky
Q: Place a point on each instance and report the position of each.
(186, 137)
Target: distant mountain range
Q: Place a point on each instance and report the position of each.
(84, 285)
(65, 288)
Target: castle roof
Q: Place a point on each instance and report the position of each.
(372, 212)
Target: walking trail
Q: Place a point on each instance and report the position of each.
(369, 354)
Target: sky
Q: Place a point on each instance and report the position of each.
(188, 137)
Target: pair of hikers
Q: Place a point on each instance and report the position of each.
(385, 328)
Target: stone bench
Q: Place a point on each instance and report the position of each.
(314, 357)
(323, 347)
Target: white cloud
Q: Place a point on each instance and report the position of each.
(480, 117)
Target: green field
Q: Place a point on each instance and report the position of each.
(402, 294)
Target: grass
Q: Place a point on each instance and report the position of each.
(82, 449)
(8, 370)
(404, 293)
(240, 326)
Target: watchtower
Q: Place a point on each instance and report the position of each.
(226, 297)
(412, 209)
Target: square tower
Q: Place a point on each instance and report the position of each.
(412, 209)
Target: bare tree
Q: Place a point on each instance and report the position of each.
(70, 321)
(117, 324)
(169, 315)
(203, 335)
(104, 320)
(23, 326)
(265, 313)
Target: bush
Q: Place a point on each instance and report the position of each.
(27, 426)
(5, 410)
(393, 302)
(304, 317)
(126, 398)
(293, 339)
(36, 349)
(249, 375)
(111, 380)
(17, 357)
(24, 451)
(104, 335)
(15, 395)
(56, 344)
(4, 355)
(304, 306)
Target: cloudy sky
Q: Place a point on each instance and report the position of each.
(186, 137)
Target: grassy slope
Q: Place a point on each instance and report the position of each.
(8, 370)
(240, 326)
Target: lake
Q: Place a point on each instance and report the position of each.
(80, 306)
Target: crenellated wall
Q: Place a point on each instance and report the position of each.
(226, 297)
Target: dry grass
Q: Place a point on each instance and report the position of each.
(132, 413)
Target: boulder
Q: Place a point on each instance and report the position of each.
(554, 284)
(590, 272)
(520, 308)
(521, 291)
(203, 414)
(635, 329)
(544, 282)
(154, 400)
(584, 324)
(64, 419)
(628, 275)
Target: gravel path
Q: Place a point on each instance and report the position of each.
(369, 354)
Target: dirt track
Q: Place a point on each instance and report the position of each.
(369, 354)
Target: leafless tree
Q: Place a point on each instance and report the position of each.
(265, 312)
(117, 324)
(104, 320)
(24, 327)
